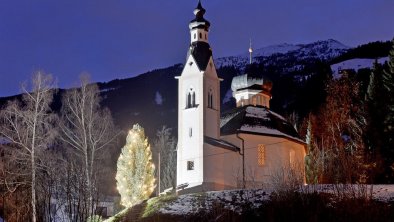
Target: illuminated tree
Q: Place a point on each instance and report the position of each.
(135, 170)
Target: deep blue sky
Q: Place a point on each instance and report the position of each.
(121, 38)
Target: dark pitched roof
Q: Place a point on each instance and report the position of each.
(252, 87)
(257, 120)
(221, 143)
(201, 52)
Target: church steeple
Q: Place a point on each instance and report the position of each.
(198, 104)
(199, 46)
(199, 26)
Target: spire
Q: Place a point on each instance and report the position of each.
(199, 11)
(250, 52)
(199, 21)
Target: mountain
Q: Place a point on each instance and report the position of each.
(298, 72)
(320, 50)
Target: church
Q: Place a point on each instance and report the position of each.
(242, 148)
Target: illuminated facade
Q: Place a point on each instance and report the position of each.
(244, 146)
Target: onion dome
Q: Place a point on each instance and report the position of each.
(199, 22)
(251, 82)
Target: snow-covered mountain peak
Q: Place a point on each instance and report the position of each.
(273, 49)
(321, 50)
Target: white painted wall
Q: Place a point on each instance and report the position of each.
(201, 120)
(195, 35)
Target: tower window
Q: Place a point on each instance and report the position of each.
(195, 36)
(210, 99)
(261, 155)
(206, 37)
(194, 99)
(190, 99)
(200, 35)
(190, 165)
(190, 132)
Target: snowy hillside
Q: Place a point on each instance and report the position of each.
(316, 202)
(274, 49)
(322, 50)
(354, 64)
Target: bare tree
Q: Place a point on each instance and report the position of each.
(165, 147)
(29, 125)
(86, 129)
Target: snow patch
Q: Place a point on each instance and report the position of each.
(230, 199)
(354, 64)
(228, 96)
(158, 98)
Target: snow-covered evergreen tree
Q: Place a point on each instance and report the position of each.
(135, 169)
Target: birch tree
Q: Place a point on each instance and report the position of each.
(29, 126)
(86, 129)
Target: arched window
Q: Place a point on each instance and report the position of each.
(195, 35)
(210, 99)
(194, 99)
(206, 36)
(189, 100)
(200, 35)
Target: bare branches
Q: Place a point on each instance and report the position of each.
(29, 126)
(86, 130)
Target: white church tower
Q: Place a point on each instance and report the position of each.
(198, 103)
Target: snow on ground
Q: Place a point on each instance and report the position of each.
(380, 192)
(230, 199)
(383, 192)
(354, 64)
(235, 199)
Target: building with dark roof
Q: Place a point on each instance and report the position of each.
(244, 147)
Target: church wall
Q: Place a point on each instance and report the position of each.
(212, 114)
(277, 158)
(221, 168)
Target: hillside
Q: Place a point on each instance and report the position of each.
(308, 203)
(286, 65)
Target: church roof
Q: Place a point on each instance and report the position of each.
(257, 120)
(201, 52)
(220, 143)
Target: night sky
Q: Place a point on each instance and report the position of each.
(118, 39)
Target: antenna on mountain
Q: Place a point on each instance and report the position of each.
(250, 52)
